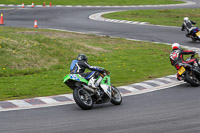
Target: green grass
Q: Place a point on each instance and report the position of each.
(92, 2)
(4, 8)
(33, 62)
(171, 17)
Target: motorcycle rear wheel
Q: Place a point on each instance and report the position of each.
(116, 96)
(194, 39)
(192, 80)
(83, 98)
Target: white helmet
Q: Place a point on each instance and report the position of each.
(175, 46)
(186, 19)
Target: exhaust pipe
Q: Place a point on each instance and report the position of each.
(87, 88)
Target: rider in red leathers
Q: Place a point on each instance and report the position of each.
(176, 57)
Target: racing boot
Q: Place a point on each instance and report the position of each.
(198, 64)
(179, 77)
(91, 83)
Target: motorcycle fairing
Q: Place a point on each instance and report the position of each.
(75, 77)
(106, 85)
(107, 89)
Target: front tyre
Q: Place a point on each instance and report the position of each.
(116, 96)
(192, 80)
(83, 98)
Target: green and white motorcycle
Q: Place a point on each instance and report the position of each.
(86, 96)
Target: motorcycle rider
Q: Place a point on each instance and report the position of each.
(176, 57)
(187, 24)
(79, 65)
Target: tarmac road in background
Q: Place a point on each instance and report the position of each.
(77, 19)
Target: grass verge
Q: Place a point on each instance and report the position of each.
(92, 2)
(169, 17)
(5, 8)
(33, 62)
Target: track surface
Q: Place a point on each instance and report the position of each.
(174, 110)
(77, 19)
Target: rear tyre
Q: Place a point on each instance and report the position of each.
(83, 98)
(192, 80)
(116, 96)
(194, 39)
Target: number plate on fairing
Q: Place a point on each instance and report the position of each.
(74, 77)
(198, 34)
(181, 70)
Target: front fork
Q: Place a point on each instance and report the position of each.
(113, 92)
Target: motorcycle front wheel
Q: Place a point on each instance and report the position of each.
(116, 96)
(83, 98)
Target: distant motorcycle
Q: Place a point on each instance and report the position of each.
(195, 35)
(85, 96)
(190, 73)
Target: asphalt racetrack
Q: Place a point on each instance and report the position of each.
(172, 110)
(77, 19)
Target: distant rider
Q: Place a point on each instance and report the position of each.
(187, 24)
(79, 65)
(176, 57)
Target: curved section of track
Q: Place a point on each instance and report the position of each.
(77, 19)
(175, 109)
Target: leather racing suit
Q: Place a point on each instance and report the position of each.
(78, 67)
(188, 26)
(176, 57)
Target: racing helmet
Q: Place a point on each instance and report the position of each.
(176, 46)
(82, 57)
(185, 18)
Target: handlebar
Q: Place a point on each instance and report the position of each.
(105, 72)
(192, 56)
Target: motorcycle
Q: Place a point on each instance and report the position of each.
(189, 73)
(85, 96)
(195, 35)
